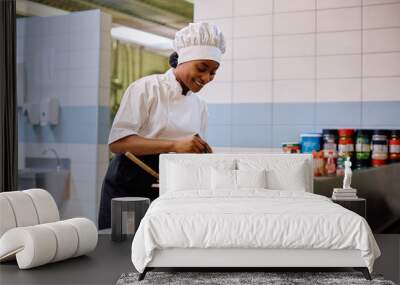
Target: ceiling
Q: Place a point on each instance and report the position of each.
(162, 17)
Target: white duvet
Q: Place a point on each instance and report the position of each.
(250, 219)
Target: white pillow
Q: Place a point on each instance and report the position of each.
(237, 179)
(289, 173)
(292, 179)
(223, 179)
(251, 178)
(189, 176)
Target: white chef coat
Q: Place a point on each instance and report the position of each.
(154, 107)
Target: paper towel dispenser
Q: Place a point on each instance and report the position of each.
(49, 111)
(45, 112)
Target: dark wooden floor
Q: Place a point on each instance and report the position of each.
(110, 260)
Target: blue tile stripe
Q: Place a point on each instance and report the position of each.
(77, 125)
(270, 124)
(230, 125)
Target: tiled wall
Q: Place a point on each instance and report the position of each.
(69, 57)
(293, 66)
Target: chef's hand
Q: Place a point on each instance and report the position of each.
(192, 144)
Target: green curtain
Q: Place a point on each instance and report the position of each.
(129, 63)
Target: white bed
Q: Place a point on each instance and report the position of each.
(202, 220)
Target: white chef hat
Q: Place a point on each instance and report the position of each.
(199, 41)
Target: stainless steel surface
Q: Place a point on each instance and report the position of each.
(51, 174)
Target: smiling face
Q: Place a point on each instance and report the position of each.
(196, 73)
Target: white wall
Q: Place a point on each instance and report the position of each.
(69, 57)
(300, 65)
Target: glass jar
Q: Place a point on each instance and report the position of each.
(394, 146)
(330, 165)
(318, 163)
(363, 149)
(345, 148)
(329, 143)
(379, 147)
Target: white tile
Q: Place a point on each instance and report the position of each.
(208, 9)
(35, 26)
(252, 69)
(55, 91)
(33, 91)
(34, 44)
(225, 25)
(294, 45)
(294, 68)
(379, 2)
(80, 59)
(340, 66)
(326, 4)
(59, 78)
(224, 72)
(88, 21)
(258, 47)
(79, 190)
(386, 64)
(290, 5)
(252, 26)
(83, 171)
(339, 90)
(82, 96)
(62, 60)
(381, 16)
(33, 149)
(21, 27)
(84, 77)
(381, 89)
(57, 25)
(21, 155)
(252, 92)
(58, 42)
(338, 43)
(82, 153)
(20, 49)
(381, 40)
(289, 91)
(217, 92)
(293, 23)
(228, 49)
(78, 208)
(251, 7)
(84, 40)
(339, 19)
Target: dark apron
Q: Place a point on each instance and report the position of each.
(125, 179)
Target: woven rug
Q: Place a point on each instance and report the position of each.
(242, 278)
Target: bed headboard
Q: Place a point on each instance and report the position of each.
(286, 163)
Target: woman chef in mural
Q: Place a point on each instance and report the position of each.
(160, 114)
